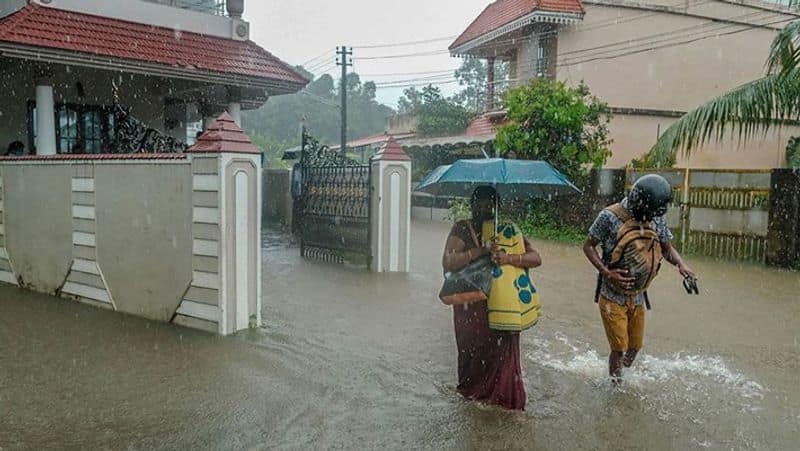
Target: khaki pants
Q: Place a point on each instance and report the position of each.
(624, 324)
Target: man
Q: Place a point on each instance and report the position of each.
(15, 149)
(634, 238)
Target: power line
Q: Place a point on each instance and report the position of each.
(405, 55)
(420, 79)
(319, 99)
(409, 73)
(325, 53)
(662, 46)
(595, 56)
(416, 85)
(403, 44)
(320, 65)
(679, 31)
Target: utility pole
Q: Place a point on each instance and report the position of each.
(342, 54)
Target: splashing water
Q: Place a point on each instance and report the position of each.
(703, 374)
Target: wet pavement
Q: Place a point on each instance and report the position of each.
(353, 360)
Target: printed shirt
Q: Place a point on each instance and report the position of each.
(604, 229)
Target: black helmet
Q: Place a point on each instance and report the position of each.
(650, 197)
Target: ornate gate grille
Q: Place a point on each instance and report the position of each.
(333, 206)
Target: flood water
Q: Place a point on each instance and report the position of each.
(352, 360)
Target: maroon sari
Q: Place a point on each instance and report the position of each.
(488, 361)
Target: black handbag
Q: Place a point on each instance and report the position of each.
(470, 284)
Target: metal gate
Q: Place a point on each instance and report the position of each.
(333, 206)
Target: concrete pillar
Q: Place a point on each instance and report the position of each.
(175, 120)
(45, 118)
(235, 110)
(208, 114)
(235, 8)
(391, 209)
(783, 235)
(226, 167)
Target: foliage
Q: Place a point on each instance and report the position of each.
(747, 111)
(273, 149)
(543, 224)
(793, 152)
(280, 119)
(472, 76)
(437, 115)
(537, 221)
(564, 126)
(647, 161)
(459, 210)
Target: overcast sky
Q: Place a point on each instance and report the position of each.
(298, 30)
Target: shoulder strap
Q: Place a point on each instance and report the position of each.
(620, 212)
(474, 236)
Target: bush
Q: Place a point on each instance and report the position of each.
(567, 127)
(536, 219)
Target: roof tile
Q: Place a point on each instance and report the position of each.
(40, 26)
(503, 12)
(223, 136)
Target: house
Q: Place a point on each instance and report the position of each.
(649, 61)
(95, 76)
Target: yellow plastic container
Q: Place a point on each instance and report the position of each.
(513, 302)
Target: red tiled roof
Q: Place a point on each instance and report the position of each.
(375, 139)
(486, 124)
(39, 26)
(224, 136)
(392, 151)
(503, 12)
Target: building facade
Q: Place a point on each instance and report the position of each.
(69, 66)
(651, 61)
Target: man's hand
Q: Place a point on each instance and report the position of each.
(686, 271)
(620, 277)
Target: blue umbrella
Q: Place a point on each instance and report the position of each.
(511, 178)
(516, 179)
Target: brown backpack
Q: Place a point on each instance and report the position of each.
(638, 250)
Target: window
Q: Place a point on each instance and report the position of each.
(79, 128)
(542, 56)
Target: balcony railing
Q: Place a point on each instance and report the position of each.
(215, 7)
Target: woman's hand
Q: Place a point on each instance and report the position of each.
(477, 252)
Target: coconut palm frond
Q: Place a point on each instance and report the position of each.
(749, 109)
(784, 55)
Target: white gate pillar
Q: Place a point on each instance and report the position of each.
(226, 229)
(45, 118)
(391, 209)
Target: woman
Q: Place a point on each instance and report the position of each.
(488, 361)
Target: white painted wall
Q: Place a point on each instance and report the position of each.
(242, 250)
(10, 6)
(157, 15)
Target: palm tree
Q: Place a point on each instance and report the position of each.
(750, 109)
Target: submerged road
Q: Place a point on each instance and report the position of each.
(353, 360)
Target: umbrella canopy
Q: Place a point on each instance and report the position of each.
(511, 178)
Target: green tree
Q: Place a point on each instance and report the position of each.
(747, 111)
(550, 121)
(793, 152)
(317, 106)
(472, 76)
(437, 115)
